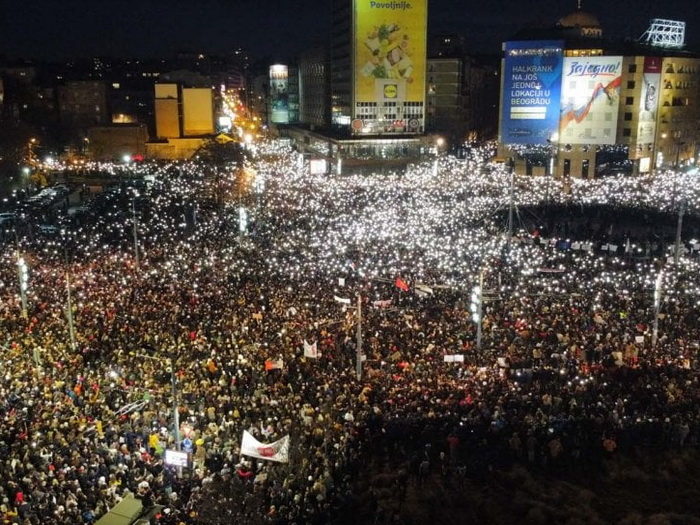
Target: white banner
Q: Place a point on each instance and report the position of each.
(382, 304)
(311, 350)
(341, 299)
(277, 451)
(423, 289)
(455, 358)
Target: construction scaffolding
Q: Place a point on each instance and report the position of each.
(664, 33)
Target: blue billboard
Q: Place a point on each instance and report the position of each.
(531, 91)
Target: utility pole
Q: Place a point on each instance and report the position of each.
(22, 275)
(69, 311)
(679, 228)
(511, 203)
(69, 302)
(358, 363)
(176, 413)
(658, 290)
(477, 307)
(136, 238)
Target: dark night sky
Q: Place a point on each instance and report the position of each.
(56, 29)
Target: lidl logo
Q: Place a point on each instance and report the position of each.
(390, 91)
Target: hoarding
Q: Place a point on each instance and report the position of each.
(318, 166)
(279, 94)
(531, 91)
(390, 65)
(648, 104)
(176, 458)
(590, 100)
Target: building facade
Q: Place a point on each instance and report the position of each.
(83, 103)
(574, 104)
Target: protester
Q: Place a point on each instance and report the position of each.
(253, 327)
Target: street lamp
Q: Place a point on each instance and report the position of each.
(681, 211)
(553, 142)
(477, 307)
(173, 386)
(358, 333)
(69, 301)
(658, 290)
(135, 232)
(22, 275)
(358, 355)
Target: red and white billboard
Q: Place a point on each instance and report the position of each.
(590, 100)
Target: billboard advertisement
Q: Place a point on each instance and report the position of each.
(531, 90)
(648, 104)
(279, 94)
(390, 63)
(590, 100)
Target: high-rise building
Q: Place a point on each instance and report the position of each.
(83, 103)
(314, 107)
(374, 109)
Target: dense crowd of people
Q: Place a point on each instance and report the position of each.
(570, 365)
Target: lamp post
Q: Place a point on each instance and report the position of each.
(553, 142)
(358, 356)
(176, 413)
(174, 393)
(511, 200)
(658, 290)
(477, 307)
(135, 233)
(69, 301)
(69, 311)
(22, 275)
(681, 211)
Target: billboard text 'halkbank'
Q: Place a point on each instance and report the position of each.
(531, 91)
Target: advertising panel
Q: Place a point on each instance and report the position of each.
(279, 94)
(648, 104)
(531, 90)
(590, 100)
(390, 63)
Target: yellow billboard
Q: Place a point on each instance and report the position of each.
(390, 50)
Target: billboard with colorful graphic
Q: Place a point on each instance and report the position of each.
(531, 90)
(390, 63)
(590, 99)
(648, 105)
(279, 94)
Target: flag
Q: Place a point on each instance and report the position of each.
(311, 350)
(341, 299)
(401, 284)
(277, 451)
(274, 364)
